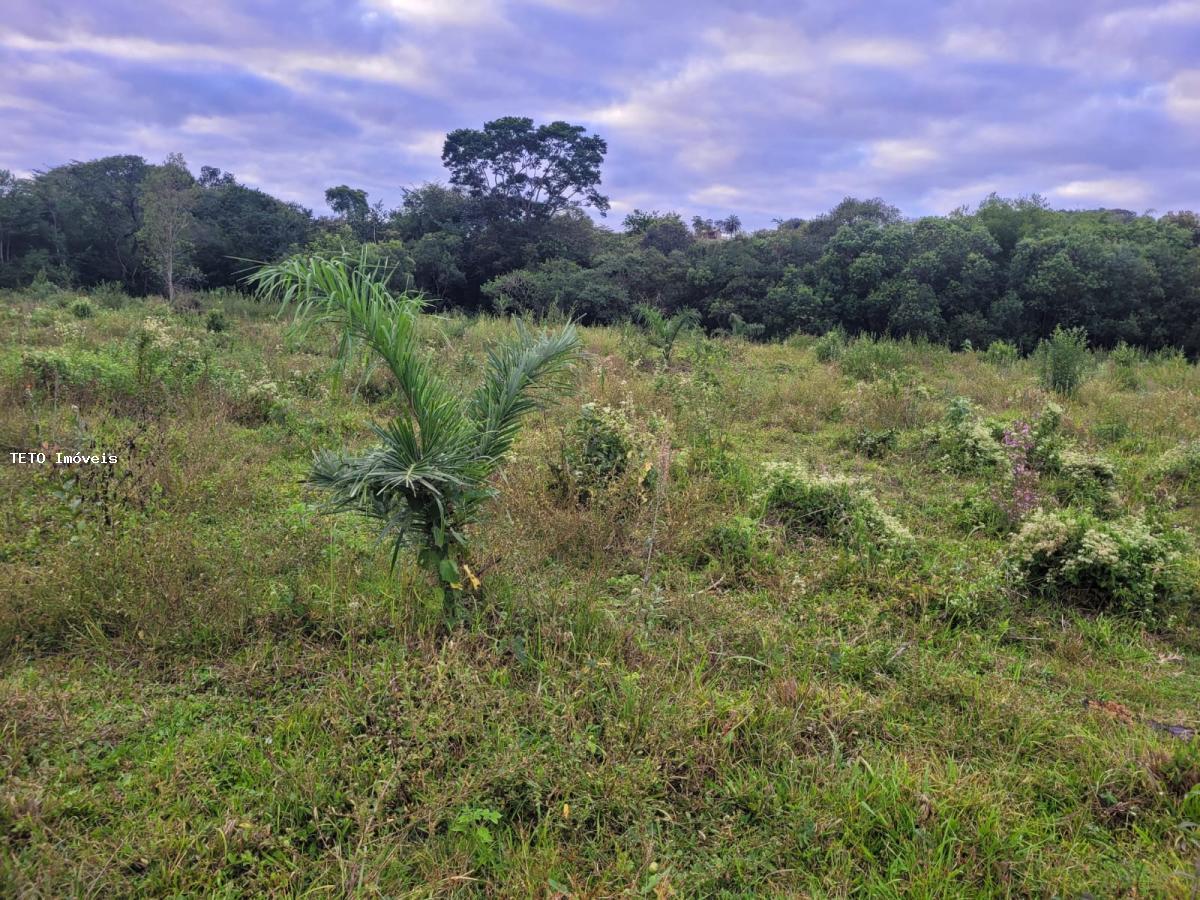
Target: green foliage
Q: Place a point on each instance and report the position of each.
(830, 346)
(82, 309)
(1072, 557)
(473, 826)
(1124, 360)
(875, 444)
(523, 171)
(1085, 479)
(599, 448)
(868, 359)
(831, 506)
(429, 476)
(1180, 467)
(740, 328)
(965, 443)
(739, 548)
(110, 295)
(1063, 360)
(1002, 354)
(216, 321)
(662, 331)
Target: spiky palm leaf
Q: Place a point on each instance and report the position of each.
(430, 473)
(662, 331)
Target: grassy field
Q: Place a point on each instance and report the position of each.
(209, 687)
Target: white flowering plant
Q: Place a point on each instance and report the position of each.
(1073, 556)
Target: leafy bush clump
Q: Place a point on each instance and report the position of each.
(1180, 466)
(739, 548)
(82, 309)
(965, 443)
(866, 359)
(1072, 556)
(830, 346)
(829, 505)
(875, 444)
(1001, 354)
(600, 446)
(1063, 359)
(1124, 359)
(215, 321)
(76, 374)
(1074, 477)
(110, 295)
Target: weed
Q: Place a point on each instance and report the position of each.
(1063, 360)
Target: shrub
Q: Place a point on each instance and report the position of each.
(830, 346)
(867, 359)
(874, 444)
(831, 506)
(597, 450)
(1048, 440)
(257, 403)
(215, 321)
(1075, 558)
(76, 373)
(1085, 478)
(1001, 354)
(1124, 360)
(966, 444)
(1180, 466)
(81, 309)
(1075, 476)
(739, 548)
(110, 295)
(1063, 359)
(42, 288)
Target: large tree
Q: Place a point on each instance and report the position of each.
(169, 196)
(527, 172)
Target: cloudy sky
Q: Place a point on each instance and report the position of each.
(764, 109)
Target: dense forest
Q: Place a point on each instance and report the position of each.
(510, 229)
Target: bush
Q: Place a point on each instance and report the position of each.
(110, 295)
(1085, 478)
(874, 444)
(1073, 557)
(1180, 466)
(965, 443)
(1063, 359)
(81, 309)
(867, 359)
(76, 374)
(1002, 354)
(1124, 359)
(739, 548)
(830, 346)
(831, 506)
(599, 447)
(215, 321)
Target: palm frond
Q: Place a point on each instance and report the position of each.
(522, 374)
(428, 476)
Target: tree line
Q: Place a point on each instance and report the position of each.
(510, 230)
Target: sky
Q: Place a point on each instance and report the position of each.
(768, 110)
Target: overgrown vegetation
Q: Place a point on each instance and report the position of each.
(757, 623)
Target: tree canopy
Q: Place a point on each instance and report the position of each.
(510, 229)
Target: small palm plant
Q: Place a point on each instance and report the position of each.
(429, 476)
(663, 332)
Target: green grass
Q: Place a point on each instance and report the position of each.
(207, 687)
